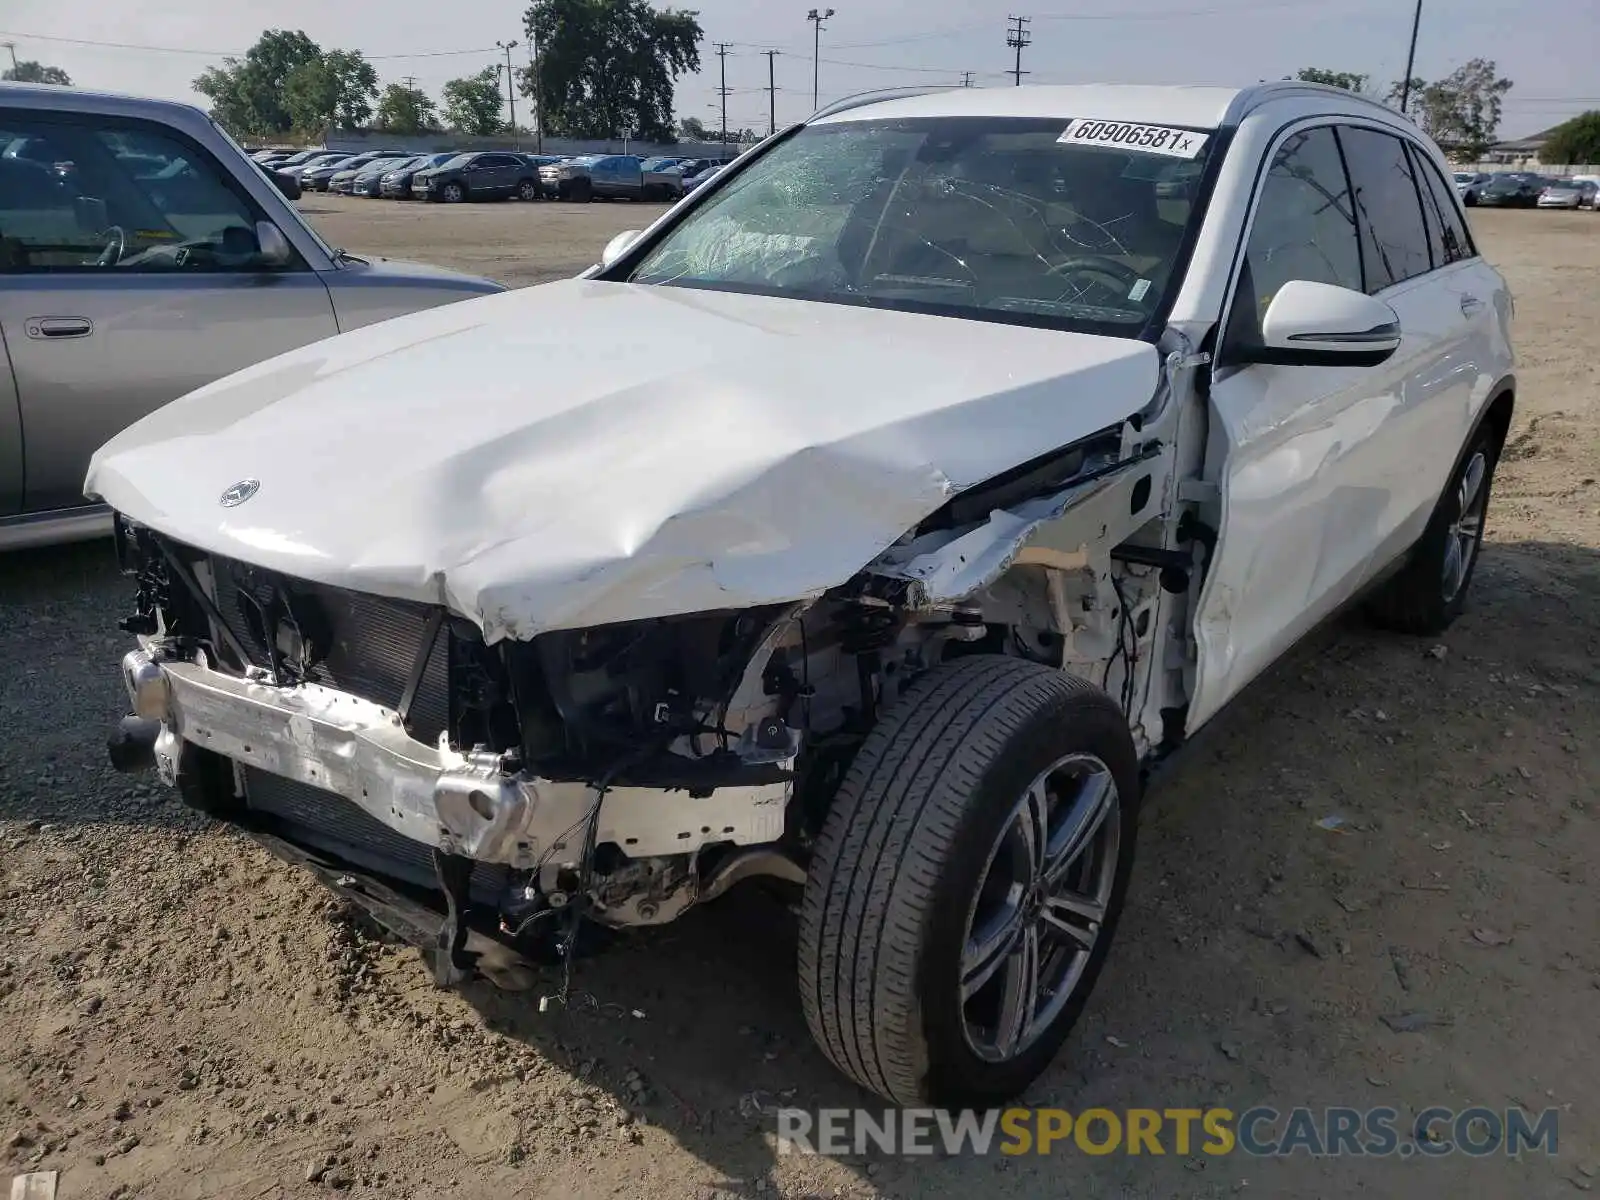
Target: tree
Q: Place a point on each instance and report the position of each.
(608, 67)
(1348, 80)
(357, 87)
(1574, 141)
(405, 110)
(250, 95)
(335, 89)
(27, 71)
(1463, 109)
(693, 129)
(472, 104)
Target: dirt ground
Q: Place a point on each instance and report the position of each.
(184, 1016)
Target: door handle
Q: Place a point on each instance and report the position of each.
(51, 328)
(1470, 305)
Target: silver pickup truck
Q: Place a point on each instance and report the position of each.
(610, 177)
(143, 255)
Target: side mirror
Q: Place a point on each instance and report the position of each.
(275, 249)
(618, 246)
(1321, 325)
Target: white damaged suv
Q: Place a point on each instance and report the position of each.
(882, 514)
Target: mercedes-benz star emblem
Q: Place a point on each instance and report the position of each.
(240, 492)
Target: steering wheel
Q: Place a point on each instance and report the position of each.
(116, 246)
(1122, 279)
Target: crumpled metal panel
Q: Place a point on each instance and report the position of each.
(584, 452)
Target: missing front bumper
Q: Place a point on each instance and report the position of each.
(460, 804)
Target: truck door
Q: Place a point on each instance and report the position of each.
(134, 277)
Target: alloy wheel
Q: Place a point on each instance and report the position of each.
(1466, 531)
(1040, 907)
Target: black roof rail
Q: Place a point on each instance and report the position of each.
(860, 99)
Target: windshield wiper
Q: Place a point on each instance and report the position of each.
(343, 255)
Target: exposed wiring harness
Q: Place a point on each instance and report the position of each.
(1127, 646)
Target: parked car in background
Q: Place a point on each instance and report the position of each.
(1568, 193)
(978, 538)
(395, 184)
(1506, 190)
(301, 157)
(366, 180)
(311, 162)
(1468, 184)
(318, 178)
(609, 177)
(167, 260)
(701, 177)
(344, 179)
(482, 175)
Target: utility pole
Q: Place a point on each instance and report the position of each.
(511, 90)
(11, 46)
(722, 55)
(410, 81)
(1411, 59)
(772, 91)
(1017, 36)
(966, 79)
(817, 17)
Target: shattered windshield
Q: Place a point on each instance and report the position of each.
(992, 218)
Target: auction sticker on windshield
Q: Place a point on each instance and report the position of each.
(1146, 139)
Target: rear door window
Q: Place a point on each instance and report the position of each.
(1447, 232)
(1394, 235)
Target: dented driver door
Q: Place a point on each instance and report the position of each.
(1312, 460)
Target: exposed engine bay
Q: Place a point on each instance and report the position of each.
(625, 773)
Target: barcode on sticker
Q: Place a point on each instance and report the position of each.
(1145, 139)
(1139, 290)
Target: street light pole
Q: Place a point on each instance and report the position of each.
(511, 91)
(1411, 59)
(817, 18)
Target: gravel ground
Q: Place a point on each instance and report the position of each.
(187, 1017)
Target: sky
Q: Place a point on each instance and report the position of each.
(1547, 47)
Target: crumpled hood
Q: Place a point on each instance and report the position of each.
(583, 453)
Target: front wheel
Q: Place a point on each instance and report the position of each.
(453, 193)
(966, 884)
(1430, 591)
(527, 190)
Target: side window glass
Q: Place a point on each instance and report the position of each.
(116, 197)
(1394, 238)
(1304, 228)
(1447, 230)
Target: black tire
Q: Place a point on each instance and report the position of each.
(453, 193)
(1423, 599)
(903, 859)
(580, 191)
(528, 190)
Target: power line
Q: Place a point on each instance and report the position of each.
(1018, 37)
(39, 37)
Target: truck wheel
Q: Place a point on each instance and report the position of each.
(1430, 591)
(966, 885)
(581, 191)
(453, 193)
(527, 190)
